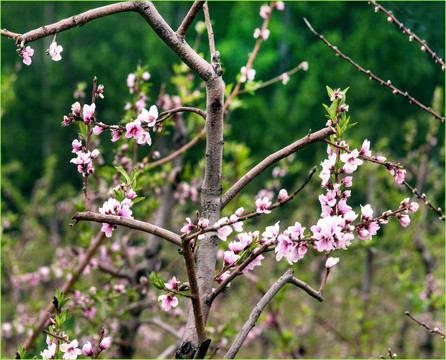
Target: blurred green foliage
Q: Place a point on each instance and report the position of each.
(40, 189)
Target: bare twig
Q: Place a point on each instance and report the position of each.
(209, 29)
(412, 36)
(387, 83)
(428, 328)
(158, 322)
(255, 313)
(189, 19)
(130, 223)
(177, 153)
(427, 202)
(307, 288)
(71, 22)
(271, 159)
(119, 273)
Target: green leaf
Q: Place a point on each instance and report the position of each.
(156, 281)
(83, 130)
(124, 173)
(119, 195)
(330, 91)
(137, 200)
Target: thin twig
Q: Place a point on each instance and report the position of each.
(158, 322)
(130, 223)
(189, 19)
(273, 80)
(178, 152)
(307, 288)
(412, 35)
(56, 336)
(427, 202)
(433, 331)
(271, 159)
(209, 29)
(255, 313)
(387, 83)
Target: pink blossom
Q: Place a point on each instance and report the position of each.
(134, 129)
(247, 74)
(265, 11)
(105, 343)
(347, 181)
(203, 223)
(149, 116)
(108, 229)
(76, 108)
(331, 261)
(222, 232)
(230, 257)
(128, 106)
(237, 225)
(188, 226)
(367, 212)
(262, 205)
(144, 138)
(271, 232)
(413, 206)
(100, 91)
(297, 252)
(280, 5)
(283, 195)
(84, 162)
(172, 283)
(27, 53)
(87, 349)
(325, 231)
(116, 134)
(89, 313)
(253, 264)
(97, 130)
(296, 232)
(283, 247)
(351, 161)
(50, 352)
(131, 79)
(337, 94)
(285, 78)
(77, 146)
(304, 65)
(71, 351)
(146, 76)
(236, 246)
(329, 199)
(168, 301)
(141, 102)
(400, 174)
(88, 112)
(327, 167)
(263, 34)
(223, 277)
(404, 220)
(54, 51)
(239, 211)
(365, 148)
(131, 194)
(245, 239)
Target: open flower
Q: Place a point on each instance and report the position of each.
(262, 205)
(27, 53)
(168, 301)
(54, 51)
(71, 351)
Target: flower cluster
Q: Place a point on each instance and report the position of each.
(84, 114)
(170, 300)
(247, 74)
(115, 207)
(135, 130)
(84, 159)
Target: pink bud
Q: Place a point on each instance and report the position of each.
(105, 343)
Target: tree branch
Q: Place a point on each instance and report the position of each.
(130, 223)
(271, 159)
(387, 83)
(71, 22)
(209, 29)
(189, 19)
(200, 66)
(307, 288)
(255, 313)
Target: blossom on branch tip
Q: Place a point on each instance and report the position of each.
(149, 116)
(265, 11)
(100, 91)
(50, 352)
(404, 219)
(331, 261)
(131, 79)
(97, 130)
(172, 283)
(26, 54)
(54, 51)
(304, 65)
(77, 146)
(337, 94)
(262, 205)
(280, 5)
(146, 76)
(76, 108)
(365, 148)
(168, 301)
(283, 195)
(285, 78)
(105, 343)
(188, 226)
(88, 112)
